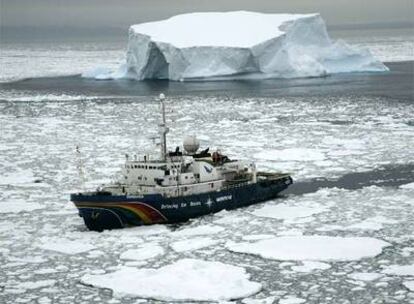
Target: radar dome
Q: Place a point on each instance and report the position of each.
(191, 144)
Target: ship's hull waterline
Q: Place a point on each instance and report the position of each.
(106, 211)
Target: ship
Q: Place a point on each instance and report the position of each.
(176, 186)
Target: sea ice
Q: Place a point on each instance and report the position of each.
(20, 177)
(193, 244)
(199, 230)
(400, 270)
(409, 285)
(312, 248)
(291, 300)
(230, 44)
(288, 212)
(30, 285)
(291, 154)
(309, 266)
(17, 205)
(65, 246)
(255, 237)
(184, 280)
(365, 276)
(269, 300)
(142, 253)
(367, 224)
(407, 186)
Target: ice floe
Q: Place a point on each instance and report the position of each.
(409, 285)
(193, 244)
(291, 154)
(313, 248)
(310, 266)
(184, 280)
(19, 177)
(407, 186)
(142, 253)
(268, 300)
(292, 300)
(365, 276)
(287, 212)
(400, 270)
(17, 205)
(22, 287)
(65, 246)
(198, 230)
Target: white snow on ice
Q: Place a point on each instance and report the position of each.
(143, 253)
(291, 154)
(310, 266)
(17, 205)
(65, 246)
(365, 276)
(407, 186)
(287, 212)
(193, 244)
(291, 300)
(198, 230)
(184, 280)
(268, 300)
(409, 285)
(234, 43)
(400, 270)
(23, 176)
(313, 248)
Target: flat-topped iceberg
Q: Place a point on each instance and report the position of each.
(237, 44)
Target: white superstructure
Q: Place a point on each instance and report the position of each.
(181, 173)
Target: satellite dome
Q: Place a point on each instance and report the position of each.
(191, 144)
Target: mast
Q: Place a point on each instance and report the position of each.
(163, 129)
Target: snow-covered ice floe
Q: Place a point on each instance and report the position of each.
(287, 212)
(193, 244)
(365, 276)
(142, 253)
(17, 205)
(237, 44)
(409, 285)
(400, 270)
(64, 246)
(312, 248)
(184, 280)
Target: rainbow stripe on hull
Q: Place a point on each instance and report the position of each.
(121, 214)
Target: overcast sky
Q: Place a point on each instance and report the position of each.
(122, 13)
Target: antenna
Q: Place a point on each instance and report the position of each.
(163, 129)
(79, 166)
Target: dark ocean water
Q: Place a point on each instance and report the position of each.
(397, 84)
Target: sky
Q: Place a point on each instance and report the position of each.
(122, 13)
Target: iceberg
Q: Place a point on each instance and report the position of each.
(237, 44)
